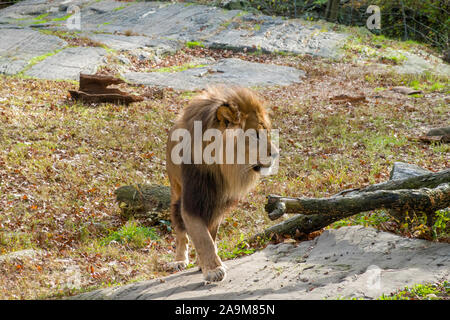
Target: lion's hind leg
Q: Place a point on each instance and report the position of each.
(181, 255)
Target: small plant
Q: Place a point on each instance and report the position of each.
(440, 227)
(132, 234)
(130, 33)
(241, 249)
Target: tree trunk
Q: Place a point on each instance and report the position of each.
(332, 10)
(426, 193)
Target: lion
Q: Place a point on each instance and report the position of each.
(202, 193)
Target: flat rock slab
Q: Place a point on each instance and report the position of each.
(128, 43)
(414, 64)
(68, 64)
(352, 262)
(402, 170)
(215, 27)
(227, 71)
(276, 35)
(27, 253)
(18, 46)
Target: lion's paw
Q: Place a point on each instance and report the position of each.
(176, 265)
(215, 275)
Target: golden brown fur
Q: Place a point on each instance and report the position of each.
(202, 193)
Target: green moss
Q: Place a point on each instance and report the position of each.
(41, 17)
(183, 67)
(63, 18)
(193, 44)
(119, 8)
(36, 60)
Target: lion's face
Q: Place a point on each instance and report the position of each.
(229, 134)
(246, 126)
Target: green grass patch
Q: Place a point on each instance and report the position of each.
(132, 234)
(437, 291)
(227, 250)
(395, 59)
(371, 219)
(428, 83)
(180, 68)
(194, 44)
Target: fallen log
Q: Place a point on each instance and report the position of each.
(425, 193)
(149, 201)
(427, 180)
(316, 214)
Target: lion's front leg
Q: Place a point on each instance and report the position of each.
(212, 228)
(212, 268)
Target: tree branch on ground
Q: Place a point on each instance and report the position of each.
(425, 193)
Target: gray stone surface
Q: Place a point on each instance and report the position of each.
(18, 46)
(27, 253)
(226, 71)
(415, 64)
(164, 27)
(125, 43)
(274, 34)
(68, 63)
(402, 170)
(184, 22)
(349, 262)
(156, 19)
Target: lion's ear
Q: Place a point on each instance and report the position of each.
(228, 114)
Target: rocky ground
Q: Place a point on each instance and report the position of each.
(351, 262)
(60, 39)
